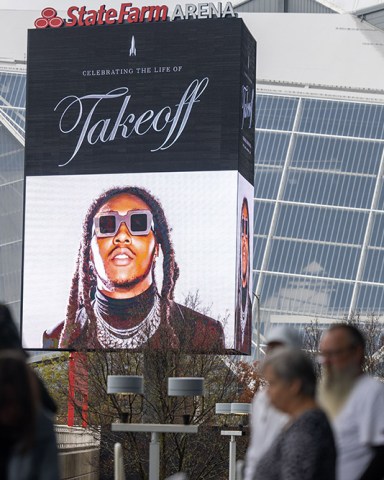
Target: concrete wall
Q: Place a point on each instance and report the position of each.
(80, 465)
(79, 452)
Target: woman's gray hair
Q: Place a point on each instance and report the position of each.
(291, 364)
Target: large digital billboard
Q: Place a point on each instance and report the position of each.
(139, 187)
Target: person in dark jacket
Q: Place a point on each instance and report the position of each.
(10, 340)
(28, 449)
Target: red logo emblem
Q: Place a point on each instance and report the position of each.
(49, 18)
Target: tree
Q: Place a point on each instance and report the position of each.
(53, 370)
(249, 379)
(312, 336)
(373, 330)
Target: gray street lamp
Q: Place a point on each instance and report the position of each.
(125, 384)
(185, 387)
(177, 386)
(232, 409)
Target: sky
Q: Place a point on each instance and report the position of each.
(346, 5)
(64, 4)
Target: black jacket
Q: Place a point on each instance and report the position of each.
(194, 331)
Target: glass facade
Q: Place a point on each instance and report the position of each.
(12, 125)
(319, 206)
(318, 244)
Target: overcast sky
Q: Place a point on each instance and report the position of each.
(347, 5)
(64, 4)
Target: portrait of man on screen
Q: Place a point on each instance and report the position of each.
(243, 314)
(114, 301)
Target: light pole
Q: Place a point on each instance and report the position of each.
(232, 451)
(234, 409)
(177, 386)
(258, 323)
(154, 447)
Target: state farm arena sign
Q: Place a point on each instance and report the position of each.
(80, 16)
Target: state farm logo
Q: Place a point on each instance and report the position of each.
(80, 16)
(49, 18)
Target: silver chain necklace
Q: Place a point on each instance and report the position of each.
(243, 317)
(111, 337)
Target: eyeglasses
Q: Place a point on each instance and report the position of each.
(138, 222)
(331, 354)
(244, 226)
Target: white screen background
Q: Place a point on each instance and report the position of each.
(201, 209)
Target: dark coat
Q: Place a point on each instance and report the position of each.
(10, 340)
(196, 333)
(243, 344)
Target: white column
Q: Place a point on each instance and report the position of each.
(232, 458)
(154, 457)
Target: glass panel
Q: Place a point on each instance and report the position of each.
(336, 154)
(329, 189)
(12, 89)
(374, 266)
(11, 200)
(10, 268)
(275, 113)
(282, 295)
(377, 237)
(10, 286)
(380, 203)
(255, 279)
(10, 258)
(258, 251)
(271, 148)
(11, 157)
(10, 227)
(267, 181)
(322, 224)
(15, 117)
(342, 118)
(262, 215)
(313, 259)
(299, 323)
(370, 299)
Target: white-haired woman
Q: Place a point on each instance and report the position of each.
(305, 449)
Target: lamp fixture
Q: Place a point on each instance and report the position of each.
(185, 386)
(125, 384)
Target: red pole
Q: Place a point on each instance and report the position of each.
(71, 391)
(77, 384)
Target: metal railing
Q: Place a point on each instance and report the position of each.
(76, 438)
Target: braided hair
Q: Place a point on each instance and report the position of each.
(240, 275)
(84, 279)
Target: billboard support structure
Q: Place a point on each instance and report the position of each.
(77, 387)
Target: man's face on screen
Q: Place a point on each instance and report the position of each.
(123, 249)
(244, 243)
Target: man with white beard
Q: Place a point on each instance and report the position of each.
(354, 402)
